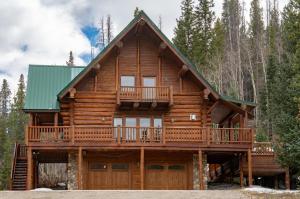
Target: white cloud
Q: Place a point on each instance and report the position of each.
(49, 29)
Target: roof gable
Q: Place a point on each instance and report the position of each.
(43, 84)
(113, 43)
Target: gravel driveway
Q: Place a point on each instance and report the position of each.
(211, 194)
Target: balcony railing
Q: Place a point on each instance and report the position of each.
(263, 148)
(175, 136)
(145, 94)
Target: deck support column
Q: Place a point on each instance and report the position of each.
(241, 171)
(249, 167)
(80, 168)
(29, 168)
(142, 166)
(201, 179)
(287, 179)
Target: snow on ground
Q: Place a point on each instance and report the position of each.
(41, 189)
(259, 189)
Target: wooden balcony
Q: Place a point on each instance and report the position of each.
(144, 97)
(185, 137)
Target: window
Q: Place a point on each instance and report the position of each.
(97, 166)
(155, 167)
(130, 131)
(176, 167)
(128, 81)
(145, 131)
(117, 122)
(120, 166)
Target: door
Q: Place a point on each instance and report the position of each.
(149, 88)
(145, 131)
(108, 175)
(130, 131)
(166, 176)
(117, 123)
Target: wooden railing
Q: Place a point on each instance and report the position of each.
(140, 135)
(145, 94)
(263, 148)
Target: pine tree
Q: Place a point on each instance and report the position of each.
(17, 117)
(71, 59)
(217, 52)
(184, 30)
(4, 137)
(286, 90)
(202, 34)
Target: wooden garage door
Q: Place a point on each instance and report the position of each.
(108, 175)
(166, 176)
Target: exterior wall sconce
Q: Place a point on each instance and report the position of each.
(193, 117)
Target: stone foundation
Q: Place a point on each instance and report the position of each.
(72, 171)
(196, 185)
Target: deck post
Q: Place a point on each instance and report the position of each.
(29, 168)
(142, 162)
(276, 182)
(287, 179)
(200, 167)
(79, 180)
(241, 171)
(249, 167)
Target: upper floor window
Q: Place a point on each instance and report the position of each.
(127, 81)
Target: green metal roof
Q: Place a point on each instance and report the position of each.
(44, 83)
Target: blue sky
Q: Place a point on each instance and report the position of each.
(45, 31)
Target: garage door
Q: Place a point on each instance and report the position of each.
(108, 175)
(166, 176)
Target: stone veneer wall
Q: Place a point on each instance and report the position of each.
(196, 185)
(72, 171)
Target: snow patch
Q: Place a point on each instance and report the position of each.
(259, 189)
(42, 189)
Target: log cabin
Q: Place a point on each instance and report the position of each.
(139, 116)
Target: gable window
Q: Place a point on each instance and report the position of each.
(127, 81)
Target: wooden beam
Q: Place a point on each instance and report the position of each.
(249, 167)
(142, 166)
(72, 92)
(138, 63)
(29, 168)
(139, 26)
(213, 106)
(117, 72)
(119, 44)
(287, 179)
(95, 82)
(31, 119)
(182, 71)
(206, 92)
(228, 116)
(79, 180)
(55, 119)
(241, 170)
(200, 167)
(159, 71)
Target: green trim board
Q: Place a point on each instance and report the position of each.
(43, 84)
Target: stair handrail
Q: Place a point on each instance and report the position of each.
(13, 163)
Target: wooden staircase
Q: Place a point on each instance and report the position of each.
(19, 168)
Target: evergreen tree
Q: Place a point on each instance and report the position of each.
(202, 34)
(184, 30)
(4, 137)
(217, 52)
(17, 117)
(286, 90)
